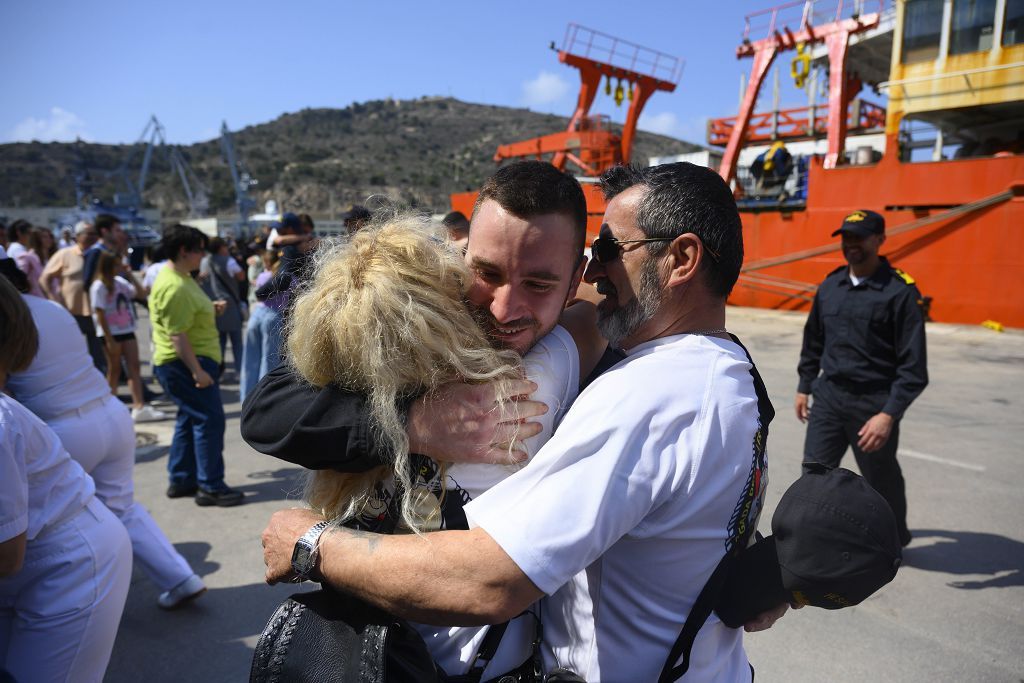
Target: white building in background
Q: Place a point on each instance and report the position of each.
(710, 158)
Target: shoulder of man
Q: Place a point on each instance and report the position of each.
(838, 273)
(832, 279)
(904, 281)
(904, 287)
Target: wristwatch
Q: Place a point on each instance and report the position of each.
(306, 550)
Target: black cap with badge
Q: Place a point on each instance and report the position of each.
(357, 213)
(862, 223)
(834, 542)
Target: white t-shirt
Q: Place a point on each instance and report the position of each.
(40, 485)
(116, 305)
(62, 376)
(152, 270)
(625, 512)
(15, 249)
(554, 365)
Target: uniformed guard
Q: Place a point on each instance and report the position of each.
(865, 338)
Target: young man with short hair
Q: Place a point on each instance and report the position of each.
(111, 238)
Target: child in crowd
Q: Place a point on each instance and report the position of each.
(110, 296)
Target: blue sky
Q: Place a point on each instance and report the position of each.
(99, 69)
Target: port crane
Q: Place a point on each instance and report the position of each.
(131, 188)
(240, 178)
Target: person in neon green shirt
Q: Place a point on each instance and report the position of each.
(187, 364)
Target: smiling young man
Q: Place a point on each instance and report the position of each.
(526, 253)
(624, 514)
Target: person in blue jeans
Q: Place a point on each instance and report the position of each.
(186, 361)
(262, 349)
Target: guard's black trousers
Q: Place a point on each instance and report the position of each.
(836, 417)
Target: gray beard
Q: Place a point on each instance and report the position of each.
(623, 322)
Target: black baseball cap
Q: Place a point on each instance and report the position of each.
(288, 221)
(356, 213)
(862, 223)
(834, 543)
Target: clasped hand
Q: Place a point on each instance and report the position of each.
(464, 423)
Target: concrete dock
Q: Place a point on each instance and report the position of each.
(955, 612)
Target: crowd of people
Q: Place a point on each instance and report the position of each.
(68, 333)
(515, 402)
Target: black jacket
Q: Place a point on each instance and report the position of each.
(320, 429)
(867, 339)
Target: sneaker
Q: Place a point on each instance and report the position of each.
(181, 490)
(148, 414)
(222, 498)
(189, 589)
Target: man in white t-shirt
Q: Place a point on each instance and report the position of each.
(622, 517)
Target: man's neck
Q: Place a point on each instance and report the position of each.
(864, 270)
(709, 317)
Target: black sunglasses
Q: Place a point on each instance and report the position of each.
(608, 249)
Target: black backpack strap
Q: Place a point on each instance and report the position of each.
(699, 613)
(708, 597)
(527, 671)
(488, 647)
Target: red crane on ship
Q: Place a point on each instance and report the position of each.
(589, 142)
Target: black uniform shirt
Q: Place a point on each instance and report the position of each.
(867, 338)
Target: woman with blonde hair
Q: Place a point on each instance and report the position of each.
(385, 315)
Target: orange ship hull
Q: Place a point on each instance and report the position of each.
(971, 265)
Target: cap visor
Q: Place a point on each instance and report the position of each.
(849, 229)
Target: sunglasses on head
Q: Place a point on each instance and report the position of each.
(609, 249)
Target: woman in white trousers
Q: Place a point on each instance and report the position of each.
(65, 560)
(63, 388)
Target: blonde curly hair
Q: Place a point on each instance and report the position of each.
(385, 314)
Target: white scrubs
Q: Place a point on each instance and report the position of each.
(60, 612)
(62, 387)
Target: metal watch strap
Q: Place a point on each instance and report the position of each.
(311, 539)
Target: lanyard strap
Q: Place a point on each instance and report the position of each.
(741, 528)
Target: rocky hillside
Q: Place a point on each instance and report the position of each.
(315, 160)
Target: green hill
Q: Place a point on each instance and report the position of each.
(315, 160)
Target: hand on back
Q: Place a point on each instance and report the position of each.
(463, 423)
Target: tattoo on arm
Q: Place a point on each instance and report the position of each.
(372, 539)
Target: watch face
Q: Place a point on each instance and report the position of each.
(301, 555)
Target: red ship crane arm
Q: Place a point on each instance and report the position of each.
(836, 36)
(648, 71)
